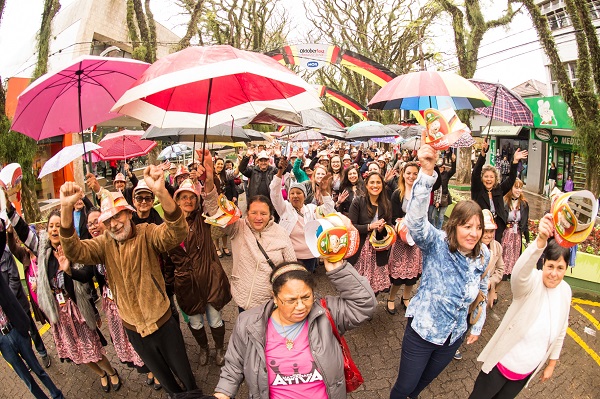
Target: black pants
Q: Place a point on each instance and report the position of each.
(35, 336)
(164, 354)
(496, 386)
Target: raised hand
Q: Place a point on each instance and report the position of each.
(325, 184)
(63, 262)
(546, 230)
(250, 152)
(126, 167)
(519, 155)
(154, 178)
(485, 146)
(427, 157)
(343, 196)
(92, 182)
(70, 193)
(166, 165)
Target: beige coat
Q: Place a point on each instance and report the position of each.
(528, 289)
(250, 285)
(132, 267)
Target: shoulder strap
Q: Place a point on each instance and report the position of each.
(265, 254)
(336, 333)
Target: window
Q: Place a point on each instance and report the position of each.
(571, 67)
(558, 19)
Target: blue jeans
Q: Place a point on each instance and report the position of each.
(422, 361)
(213, 317)
(437, 216)
(17, 351)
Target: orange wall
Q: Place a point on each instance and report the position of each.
(15, 87)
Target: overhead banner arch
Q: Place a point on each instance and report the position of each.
(344, 100)
(313, 56)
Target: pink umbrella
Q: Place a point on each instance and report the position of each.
(176, 90)
(124, 145)
(75, 97)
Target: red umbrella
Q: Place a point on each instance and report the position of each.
(176, 90)
(124, 145)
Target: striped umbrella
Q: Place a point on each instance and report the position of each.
(429, 89)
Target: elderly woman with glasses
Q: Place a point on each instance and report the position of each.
(286, 348)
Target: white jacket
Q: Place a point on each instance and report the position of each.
(288, 217)
(528, 289)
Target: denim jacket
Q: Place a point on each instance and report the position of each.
(450, 281)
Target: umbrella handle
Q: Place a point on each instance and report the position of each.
(493, 108)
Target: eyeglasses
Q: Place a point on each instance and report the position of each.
(93, 224)
(144, 199)
(306, 300)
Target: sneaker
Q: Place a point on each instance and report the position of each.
(458, 355)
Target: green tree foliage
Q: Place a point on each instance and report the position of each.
(392, 33)
(51, 7)
(581, 98)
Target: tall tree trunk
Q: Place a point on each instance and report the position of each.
(151, 33)
(2, 4)
(51, 7)
(192, 27)
(583, 104)
(132, 28)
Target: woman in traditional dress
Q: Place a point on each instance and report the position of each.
(517, 225)
(406, 261)
(66, 302)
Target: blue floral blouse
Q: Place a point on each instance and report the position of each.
(450, 281)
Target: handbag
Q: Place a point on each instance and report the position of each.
(446, 199)
(352, 374)
(476, 307)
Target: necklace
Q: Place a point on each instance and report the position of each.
(291, 334)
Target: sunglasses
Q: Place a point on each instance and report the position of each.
(144, 199)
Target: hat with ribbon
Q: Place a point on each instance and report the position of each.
(119, 177)
(346, 156)
(227, 214)
(141, 188)
(386, 242)
(187, 185)
(262, 155)
(488, 220)
(181, 171)
(332, 237)
(111, 204)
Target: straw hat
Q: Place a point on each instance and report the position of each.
(488, 220)
(112, 203)
(186, 185)
(142, 187)
(181, 171)
(119, 177)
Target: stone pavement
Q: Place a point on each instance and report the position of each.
(375, 347)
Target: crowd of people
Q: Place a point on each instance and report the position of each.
(152, 266)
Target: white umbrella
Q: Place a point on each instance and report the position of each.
(65, 157)
(174, 151)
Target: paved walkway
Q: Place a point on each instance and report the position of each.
(375, 347)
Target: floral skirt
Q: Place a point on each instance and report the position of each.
(406, 263)
(73, 338)
(366, 266)
(123, 347)
(511, 249)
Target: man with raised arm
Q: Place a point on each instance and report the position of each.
(130, 254)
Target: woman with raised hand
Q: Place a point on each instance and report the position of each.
(285, 348)
(227, 187)
(406, 261)
(454, 262)
(352, 185)
(65, 302)
(368, 213)
(294, 214)
(489, 192)
(257, 244)
(531, 334)
(517, 226)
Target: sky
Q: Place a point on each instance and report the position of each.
(509, 56)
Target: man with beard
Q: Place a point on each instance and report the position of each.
(130, 254)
